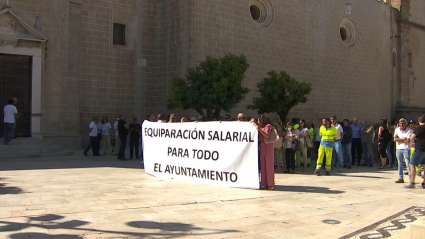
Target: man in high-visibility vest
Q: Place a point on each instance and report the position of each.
(328, 135)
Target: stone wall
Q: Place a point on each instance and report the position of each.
(84, 74)
(304, 40)
(411, 73)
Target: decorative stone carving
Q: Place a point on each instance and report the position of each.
(7, 27)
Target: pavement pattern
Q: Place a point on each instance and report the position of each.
(101, 197)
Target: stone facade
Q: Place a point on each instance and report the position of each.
(411, 48)
(84, 74)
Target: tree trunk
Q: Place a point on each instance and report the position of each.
(282, 115)
(200, 111)
(217, 113)
(209, 114)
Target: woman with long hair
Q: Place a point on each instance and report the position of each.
(106, 138)
(303, 133)
(384, 138)
(291, 135)
(266, 153)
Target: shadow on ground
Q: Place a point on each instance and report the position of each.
(304, 189)
(4, 189)
(81, 228)
(75, 161)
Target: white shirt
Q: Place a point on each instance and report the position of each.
(116, 128)
(338, 127)
(288, 142)
(93, 129)
(302, 132)
(105, 128)
(403, 134)
(9, 114)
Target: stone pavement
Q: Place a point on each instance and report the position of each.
(101, 197)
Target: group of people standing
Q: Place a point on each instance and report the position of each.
(288, 146)
(100, 133)
(341, 146)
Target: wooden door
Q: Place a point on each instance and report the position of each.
(15, 81)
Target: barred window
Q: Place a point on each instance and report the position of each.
(119, 34)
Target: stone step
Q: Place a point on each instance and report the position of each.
(14, 146)
(62, 153)
(30, 151)
(27, 140)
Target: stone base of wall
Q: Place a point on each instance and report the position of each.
(69, 142)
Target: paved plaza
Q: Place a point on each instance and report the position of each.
(101, 197)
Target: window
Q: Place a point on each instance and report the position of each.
(119, 34)
(343, 33)
(255, 12)
(348, 32)
(262, 12)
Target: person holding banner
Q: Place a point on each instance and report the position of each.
(266, 153)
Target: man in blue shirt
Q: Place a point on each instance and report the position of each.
(356, 144)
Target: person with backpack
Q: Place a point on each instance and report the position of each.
(384, 139)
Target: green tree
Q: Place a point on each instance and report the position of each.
(212, 86)
(279, 93)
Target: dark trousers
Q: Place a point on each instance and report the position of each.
(134, 144)
(290, 158)
(8, 132)
(356, 145)
(123, 139)
(94, 145)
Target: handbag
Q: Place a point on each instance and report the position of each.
(296, 145)
(272, 137)
(308, 143)
(277, 144)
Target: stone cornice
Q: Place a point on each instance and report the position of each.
(412, 24)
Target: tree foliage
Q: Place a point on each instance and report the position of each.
(279, 93)
(212, 86)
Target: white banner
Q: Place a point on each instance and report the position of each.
(223, 154)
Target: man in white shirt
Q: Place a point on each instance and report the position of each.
(10, 113)
(94, 140)
(337, 159)
(402, 136)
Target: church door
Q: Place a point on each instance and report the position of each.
(15, 81)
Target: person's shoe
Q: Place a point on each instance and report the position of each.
(345, 166)
(349, 167)
(328, 173)
(15, 138)
(423, 185)
(406, 173)
(400, 180)
(270, 187)
(123, 159)
(363, 164)
(317, 173)
(85, 154)
(130, 158)
(370, 165)
(137, 157)
(96, 155)
(411, 185)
